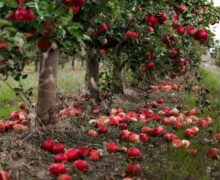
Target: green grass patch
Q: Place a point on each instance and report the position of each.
(188, 167)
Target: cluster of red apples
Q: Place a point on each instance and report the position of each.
(19, 120)
(79, 157)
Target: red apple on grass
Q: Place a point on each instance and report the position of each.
(102, 129)
(4, 175)
(143, 137)
(112, 147)
(124, 134)
(59, 158)
(153, 104)
(160, 100)
(167, 121)
(156, 118)
(92, 133)
(158, 130)
(203, 123)
(48, 145)
(14, 115)
(64, 177)
(81, 165)
(189, 132)
(133, 170)
(147, 130)
(123, 126)
(195, 129)
(83, 151)
(217, 136)
(94, 155)
(57, 169)
(133, 137)
(191, 151)
(177, 143)
(72, 154)
(58, 148)
(170, 137)
(213, 153)
(2, 127)
(133, 152)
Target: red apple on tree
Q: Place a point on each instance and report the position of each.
(103, 27)
(182, 8)
(150, 65)
(43, 44)
(151, 20)
(201, 35)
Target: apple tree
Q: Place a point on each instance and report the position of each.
(50, 26)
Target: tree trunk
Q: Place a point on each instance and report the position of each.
(92, 76)
(82, 63)
(117, 84)
(73, 62)
(47, 87)
(36, 64)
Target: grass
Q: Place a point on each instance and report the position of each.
(197, 168)
(69, 81)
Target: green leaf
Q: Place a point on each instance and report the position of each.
(11, 30)
(31, 4)
(4, 22)
(1, 4)
(10, 3)
(85, 37)
(24, 76)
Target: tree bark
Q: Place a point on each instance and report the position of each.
(92, 76)
(47, 87)
(36, 64)
(117, 84)
(82, 63)
(73, 62)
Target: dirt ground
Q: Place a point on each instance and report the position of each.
(22, 156)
